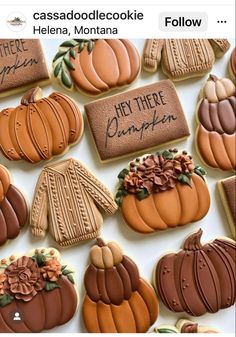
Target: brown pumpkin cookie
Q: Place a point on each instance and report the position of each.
(37, 292)
(13, 208)
(216, 131)
(40, 128)
(184, 326)
(199, 278)
(117, 298)
(232, 65)
(66, 199)
(162, 190)
(22, 65)
(183, 58)
(96, 66)
(227, 189)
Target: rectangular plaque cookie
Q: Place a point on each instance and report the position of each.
(22, 64)
(137, 120)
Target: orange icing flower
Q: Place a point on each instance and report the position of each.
(51, 270)
(2, 285)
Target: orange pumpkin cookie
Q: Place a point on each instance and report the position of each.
(216, 131)
(161, 191)
(40, 128)
(199, 278)
(37, 292)
(117, 298)
(96, 66)
(184, 326)
(13, 208)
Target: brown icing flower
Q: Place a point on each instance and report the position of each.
(133, 182)
(24, 279)
(51, 270)
(183, 164)
(3, 278)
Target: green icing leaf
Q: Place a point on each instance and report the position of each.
(51, 285)
(184, 179)
(68, 63)
(123, 173)
(5, 299)
(167, 154)
(164, 330)
(72, 53)
(63, 267)
(66, 79)
(70, 278)
(81, 46)
(119, 199)
(142, 194)
(67, 271)
(58, 55)
(69, 43)
(57, 69)
(200, 171)
(39, 259)
(90, 46)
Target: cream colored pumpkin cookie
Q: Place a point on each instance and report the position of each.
(232, 65)
(184, 326)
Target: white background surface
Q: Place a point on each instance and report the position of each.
(144, 249)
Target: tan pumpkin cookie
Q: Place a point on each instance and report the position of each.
(227, 189)
(163, 190)
(96, 66)
(216, 131)
(37, 292)
(65, 201)
(13, 208)
(232, 65)
(184, 326)
(199, 278)
(40, 128)
(183, 58)
(117, 298)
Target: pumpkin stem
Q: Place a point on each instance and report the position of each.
(212, 78)
(193, 241)
(100, 242)
(31, 96)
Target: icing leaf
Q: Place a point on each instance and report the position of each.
(39, 259)
(90, 46)
(142, 194)
(58, 55)
(72, 53)
(165, 330)
(68, 63)
(200, 171)
(81, 46)
(184, 179)
(50, 286)
(123, 173)
(66, 79)
(167, 154)
(63, 267)
(57, 69)
(69, 43)
(70, 278)
(5, 299)
(67, 271)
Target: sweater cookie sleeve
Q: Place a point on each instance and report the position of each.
(39, 220)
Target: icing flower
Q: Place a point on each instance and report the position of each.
(51, 270)
(183, 164)
(133, 182)
(2, 283)
(24, 279)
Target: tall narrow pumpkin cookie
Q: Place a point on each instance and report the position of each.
(162, 191)
(40, 128)
(37, 292)
(13, 208)
(96, 66)
(216, 131)
(232, 65)
(117, 298)
(199, 278)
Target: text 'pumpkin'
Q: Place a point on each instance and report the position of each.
(39, 128)
(117, 298)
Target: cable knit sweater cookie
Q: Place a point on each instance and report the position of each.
(183, 58)
(37, 292)
(13, 208)
(65, 200)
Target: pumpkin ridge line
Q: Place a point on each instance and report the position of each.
(17, 224)
(156, 207)
(104, 83)
(6, 323)
(195, 217)
(136, 203)
(23, 322)
(223, 138)
(210, 142)
(113, 317)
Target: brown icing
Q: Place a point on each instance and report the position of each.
(13, 208)
(136, 120)
(22, 64)
(189, 328)
(152, 54)
(98, 65)
(199, 278)
(117, 298)
(229, 187)
(39, 128)
(233, 62)
(65, 198)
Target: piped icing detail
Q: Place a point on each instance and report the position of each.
(184, 326)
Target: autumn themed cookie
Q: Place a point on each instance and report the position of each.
(96, 66)
(117, 298)
(65, 202)
(22, 65)
(184, 326)
(199, 278)
(40, 127)
(37, 292)
(216, 130)
(162, 190)
(232, 65)
(13, 208)
(227, 189)
(183, 58)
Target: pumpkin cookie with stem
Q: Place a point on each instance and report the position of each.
(216, 130)
(199, 278)
(37, 292)
(232, 65)
(40, 128)
(94, 67)
(117, 298)
(161, 191)
(184, 326)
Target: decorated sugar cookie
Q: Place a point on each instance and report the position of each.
(216, 131)
(117, 298)
(96, 66)
(232, 65)
(37, 292)
(163, 190)
(184, 326)
(13, 208)
(199, 278)
(40, 128)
